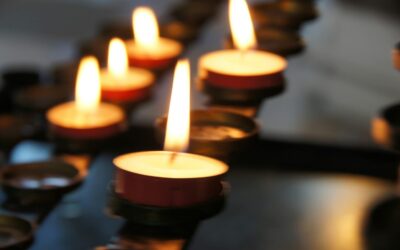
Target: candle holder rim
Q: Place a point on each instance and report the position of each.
(27, 230)
(161, 122)
(73, 181)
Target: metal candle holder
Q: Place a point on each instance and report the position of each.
(210, 135)
(16, 233)
(38, 186)
(150, 225)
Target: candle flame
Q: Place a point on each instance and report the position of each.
(117, 58)
(87, 91)
(242, 29)
(145, 27)
(178, 124)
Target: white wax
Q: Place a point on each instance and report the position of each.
(159, 164)
(165, 48)
(238, 63)
(67, 115)
(133, 79)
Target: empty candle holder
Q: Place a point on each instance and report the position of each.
(281, 42)
(159, 226)
(396, 56)
(216, 133)
(38, 186)
(386, 127)
(16, 233)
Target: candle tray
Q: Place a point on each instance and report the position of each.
(164, 217)
(35, 186)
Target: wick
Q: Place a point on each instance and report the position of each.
(173, 157)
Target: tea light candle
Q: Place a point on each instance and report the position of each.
(242, 68)
(119, 83)
(171, 178)
(86, 117)
(148, 50)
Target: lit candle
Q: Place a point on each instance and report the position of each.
(242, 69)
(119, 83)
(148, 49)
(171, 178)
(86, 117)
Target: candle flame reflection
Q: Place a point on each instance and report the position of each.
(117, 58)
(242, 29)
(145, 27)
(178, 124)
(87, 91)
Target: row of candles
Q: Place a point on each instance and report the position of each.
(153, 178)
(169, 178)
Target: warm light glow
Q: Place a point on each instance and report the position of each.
(117, 58)
(242, 29)
(178, 124)
(87, 91)
(145, 27)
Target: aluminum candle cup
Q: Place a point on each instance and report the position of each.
(241, 77)
(41, 183)
(216, 133)
(16, 233)
(149, 50)
(284, 43)
(160, 57)
(121, 84)
(133, 87)
(396, 56)
(65, 121)
(167, 179)
(386, 127)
